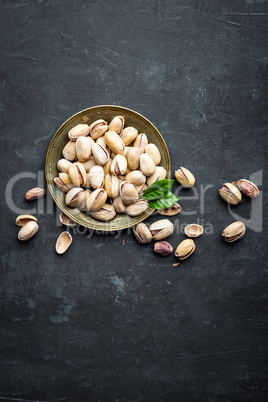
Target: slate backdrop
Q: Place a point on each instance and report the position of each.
(114, 322)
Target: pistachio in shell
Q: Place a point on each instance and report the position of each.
(117, 124)
(119, 206)
(185, 177)
(84, 148)
(111, 185)
(28, 230)
(100, 154)
(185, 249)
(133, 158)
(141, 142)
(105, 213)
(89, 163)
(193, 230)
(234, 231)
(159, 174)
(147, 165)
(119, 165)
(83, 206)
(77, 174)
(96, 200)
(114, 142)
(161, 229)
(80, 130)
(153, 152)
(63, 182)
(63, 165)
(142, 233)
(137, 208)
(128, 193)
(128, 135)
(98, 128)
(136, 177)
(230, 194)
(63, 242)
(69, 151)
(74, 197)
(96, 176)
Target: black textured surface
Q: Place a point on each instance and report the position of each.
(114, 322)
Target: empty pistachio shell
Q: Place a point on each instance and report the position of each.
(128, 193)
(142, 233)
(193, 230)
(141, 189)
(74, 197)
(63, 165)
(84, 148)
(184, 177)
(111, 185)
(21, 220)
(248, 188)
(234, 232)
(114, 142)
(77, 174)
(96, 176)
(163, 248)
(161, 229)
(89, 164)
(147, 165)
(159, 174)
(136, 177)
(171, 211)
(133, 158)
(69, 151)
(140, 142)
(230, 194)
(153, 152)
(119, 165)
(137, 208)
(128, 135)
(118, 205)
(34, 193)
(28, 230)
(105, 213)
(98, 128)
(117, 124)
(96, 200)
(81, 130)
(83, 206)
(185, 249)
(65, 220)
(63, 242)
(100, 154)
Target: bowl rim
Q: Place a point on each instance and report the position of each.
(149, 210)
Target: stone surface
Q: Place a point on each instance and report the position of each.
(114, 322)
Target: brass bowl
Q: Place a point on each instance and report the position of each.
(60, 139)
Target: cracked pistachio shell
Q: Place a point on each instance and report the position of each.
(117, 124)
(234, 232)
(96, 200)
(63, 182)
(69, 151)
(118, 205)
(136, 177)
(159, 174)
(184, 177)
(133, 158)
(63, 242)
(100, 154)
(193, 230)
(185, 249)
(84, 148)
(137, 208)
(153, 152)
(107, 166)
(21, 220)
(89, 163)
(63, 165)
(248, 188)
(230, 194)
(141, 142)
(111, 185)
(81, 130)
(96, 176)
(142, 233)
(128, 135)
(105, 213)
(83, 206)
(170, 211)
(141, 188)
(147, 165)
(74, 197)
(65, 220)
(128, 193)
(77, 174)
(114, 142)
(28, 230)
(119, 165)
(98, 128)
(161, 229)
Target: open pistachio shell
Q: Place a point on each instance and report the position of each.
(161, 229)
(193, 230)
(65, 220)
(234, 231)
(185, 177)
(142, 233)
(74, 197)
(21, 220)
(63, 242)
(159, 174)
(230, 194)
(170, 211)
(98, 128)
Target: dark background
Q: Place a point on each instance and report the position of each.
(114, 322)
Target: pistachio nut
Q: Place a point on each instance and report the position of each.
(128, 193)
(63, 165)
(34, 194)
(128, 135)
(147, 165)
(159, 174)
(119, 165)
(136, 177)
(84, 148)
(77, 174)
(107, 166)
(96, 200)
(63, 242)
(21, 220)
(83, 206)
(96, 176)
(114, 142)
(69, 151)
(89, 163)
(133, 158)
(65, 220)
(140, 142)
(184, 177)
(185, 249)
(142, 233)
(137, 208)
(100, 154)
(170, 211)
(118, 205)
(234, 232)
(141, 189)
(63, 182)
(101, 141)
(28, 230)
(193, 230)
(248, 188)
(98, 128)
(117, 124)
(111, 185)
(163, 248)
(161, 229)
(74, 197)
(230, 194)
(153, 152)
(81, 130)
(105, 213)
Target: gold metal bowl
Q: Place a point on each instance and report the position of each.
(60, 139)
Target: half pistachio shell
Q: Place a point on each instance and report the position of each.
(21, 220)
(63, 242)
(185, 249)
(65, 220)
(170, 211)
(193, 230)
(28, 230)
(234, 232)
(230, 194)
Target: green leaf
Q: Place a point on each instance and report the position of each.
(157, 189)
(166, 201)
